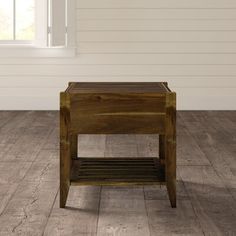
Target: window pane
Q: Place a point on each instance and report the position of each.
(6, 19)
(25, 19)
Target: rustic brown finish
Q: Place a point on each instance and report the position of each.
(65, 149)
(170, 147)
(162, 147)
(117, 87)
(74, 146)
(118, 108)
(111, 124)
(118, 171)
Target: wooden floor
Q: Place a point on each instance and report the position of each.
(29, 181)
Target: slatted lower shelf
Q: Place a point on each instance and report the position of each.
(117, 171)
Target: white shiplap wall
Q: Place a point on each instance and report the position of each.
(191, 44)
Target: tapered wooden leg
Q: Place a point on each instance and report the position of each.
(162, 148)
(64, 173)
(65, 153)
(171, 170)
(170, 148)
(74, 146)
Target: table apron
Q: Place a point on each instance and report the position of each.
(118, 123)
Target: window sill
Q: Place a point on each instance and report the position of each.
(19, 51)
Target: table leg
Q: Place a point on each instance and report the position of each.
(74, 146)
(170, 148)
(162, 148)
(65, 152)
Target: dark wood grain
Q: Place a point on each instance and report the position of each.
(118, 123)
(170, 147)
(117, 87)
(117, 171)
(74, 146)
(162, 148)
(117, 113)
(65, 149)
(118, 108)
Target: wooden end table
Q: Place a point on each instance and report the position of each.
(117, 108)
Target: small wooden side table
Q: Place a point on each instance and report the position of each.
(117, 108)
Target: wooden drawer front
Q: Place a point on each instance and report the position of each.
(117, 114)
(115, 103)
(118, 124)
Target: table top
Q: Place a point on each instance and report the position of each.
(118, 87)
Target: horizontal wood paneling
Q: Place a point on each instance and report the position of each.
(156, 25)
(149, 47)
(62, 81)
(191, 44)
(157, 4)
(157, 36)
(152, 13)
(132, 59)
(119, 70)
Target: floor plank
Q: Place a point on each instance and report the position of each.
(122, 209)
(188, 151)
(6, 116)
(28, 210)
(218, 145)
(29, 180)
(147, 145)
(53, 142)
(164, 220)
(15, 127)
(212, 203)
(159, 192)
(11, 131)
(11, 173)
(121, 146)
(122, 212)
(45, 167)
(26, 137)
(80, 215)
(91, 145)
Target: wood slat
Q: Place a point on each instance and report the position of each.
(120, 182)
(114, 171)
(120, 159)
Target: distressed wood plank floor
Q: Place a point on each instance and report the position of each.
(29, 180)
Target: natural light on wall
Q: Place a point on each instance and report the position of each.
(17, 20)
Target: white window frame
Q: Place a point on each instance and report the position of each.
(40, 46)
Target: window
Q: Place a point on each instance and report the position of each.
(17, 20)
(45, 24)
